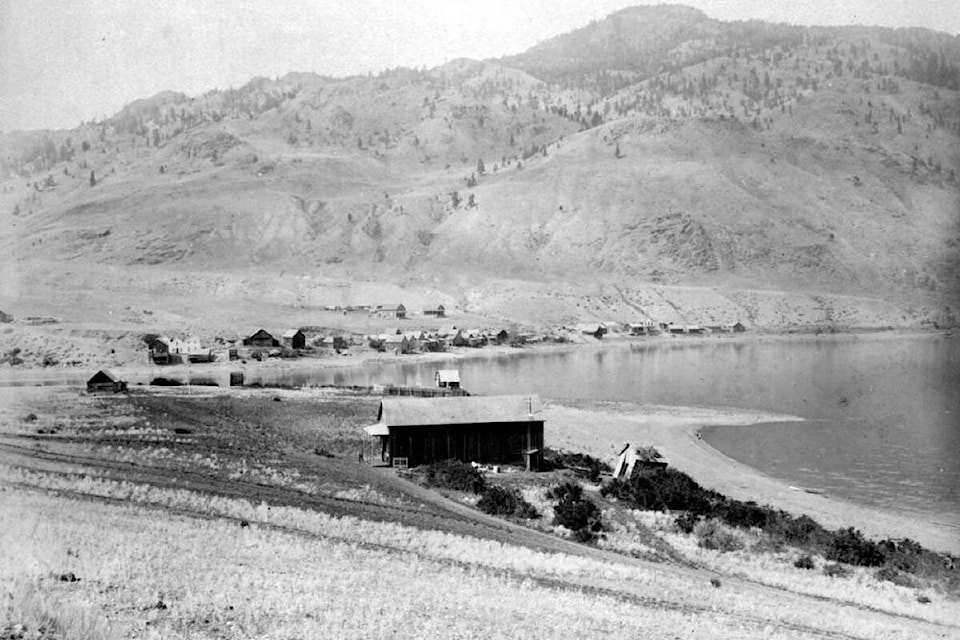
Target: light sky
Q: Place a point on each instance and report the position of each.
(67, 61)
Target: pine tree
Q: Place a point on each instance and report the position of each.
(93, 179)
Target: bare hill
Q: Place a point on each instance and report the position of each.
(644, 154)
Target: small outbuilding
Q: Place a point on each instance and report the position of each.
(484, 429)
(160, 350)
(438, 311)
(294, 339)
(596, 330)
(636, 462)
(448, 378)
(105, 382)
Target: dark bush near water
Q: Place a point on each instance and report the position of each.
(675, 491)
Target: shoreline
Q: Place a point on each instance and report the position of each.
(141, 371)
(598, 427)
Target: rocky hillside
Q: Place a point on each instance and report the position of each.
(655, 148)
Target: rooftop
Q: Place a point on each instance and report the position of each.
(397, 412)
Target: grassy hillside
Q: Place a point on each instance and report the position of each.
(656, 148)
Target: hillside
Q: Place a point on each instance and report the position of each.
(792, 176)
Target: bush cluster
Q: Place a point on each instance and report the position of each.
(500, 501)
(712, 534)
(575, 512)
(456, 475)
(567, 460)
(675, 491)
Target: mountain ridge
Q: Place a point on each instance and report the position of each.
(744, 155)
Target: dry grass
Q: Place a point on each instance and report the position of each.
(294, 573)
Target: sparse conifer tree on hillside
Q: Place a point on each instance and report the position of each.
(93, 179)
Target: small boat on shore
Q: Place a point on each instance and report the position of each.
(813, 490)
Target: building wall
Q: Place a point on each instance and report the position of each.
(501, 443)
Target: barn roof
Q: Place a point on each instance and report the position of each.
(103, 375)
(398, 412)
(289, 333)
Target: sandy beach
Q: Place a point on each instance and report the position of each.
(600, 429)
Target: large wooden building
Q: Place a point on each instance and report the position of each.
(484, 429)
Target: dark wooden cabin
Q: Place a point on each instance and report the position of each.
(294, 339)
(484, 429)
(105, 382)
(261, 339)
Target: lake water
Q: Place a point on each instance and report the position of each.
(882, 411)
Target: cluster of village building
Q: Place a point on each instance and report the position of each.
(291, 342)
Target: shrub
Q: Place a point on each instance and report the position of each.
(566, 491)
(686, 522)
(497, 501)
(456, 475)
(714, 535)
(501, 501)
(525, 510)
(668, 490)
(573, 511)
(849, 546)
(804, 562)
(835, 570)
(905, 555)
(591, 467)
(889, 574)
(30, 417)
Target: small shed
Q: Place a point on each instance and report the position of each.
(294, 339)
(448, 378)
(484, 429)
(261, 339)
(160, 350)
(738, 327)
(337, 343)
(438, 311)
(635, 462)
(105, 382)
(596, 330)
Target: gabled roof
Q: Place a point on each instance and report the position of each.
(261, 333)
(448, 375)
(289, 333)
(398, 412)
(103, 375)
